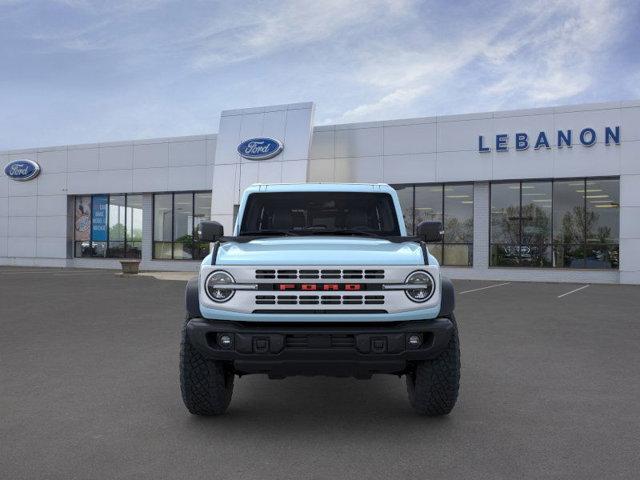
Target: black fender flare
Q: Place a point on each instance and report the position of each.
(192, 302)
(447, 298)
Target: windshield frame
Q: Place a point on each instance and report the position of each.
(393, 218)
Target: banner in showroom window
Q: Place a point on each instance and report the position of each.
(99, 218)
(83, 219)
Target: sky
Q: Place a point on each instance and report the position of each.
(80, 71)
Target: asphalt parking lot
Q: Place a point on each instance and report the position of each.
(89, 389)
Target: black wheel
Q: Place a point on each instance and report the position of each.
(206, 385)
(433, 384)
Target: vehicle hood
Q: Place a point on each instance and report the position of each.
(320, 251)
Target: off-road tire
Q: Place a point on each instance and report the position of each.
(206, 385)
(433, 385)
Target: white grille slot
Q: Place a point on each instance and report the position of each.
(346, 299)
(319, 274)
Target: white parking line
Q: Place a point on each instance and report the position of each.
(573, 291)
(20, 271)
(69, 274)
(56, 273)
(485, 288)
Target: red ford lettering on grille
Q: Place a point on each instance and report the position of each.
(326, 287)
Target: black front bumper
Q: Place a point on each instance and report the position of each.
(344, 350)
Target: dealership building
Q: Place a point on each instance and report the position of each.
(548, 194)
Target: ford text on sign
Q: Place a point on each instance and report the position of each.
(260, 148)
(22, 170)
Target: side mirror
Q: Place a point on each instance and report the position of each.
(210, 231)
(430, 232)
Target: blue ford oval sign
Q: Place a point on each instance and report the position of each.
(22, 170)
(260, 148)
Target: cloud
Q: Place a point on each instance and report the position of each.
(407, 76)
(209, 35)
(555, 63)
(126, 69)
(112, 6)
(259, 32)
(541, 53)
(397, 98)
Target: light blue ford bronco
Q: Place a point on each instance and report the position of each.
(320, 279)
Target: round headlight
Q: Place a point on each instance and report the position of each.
(425, 286)
(212, 286)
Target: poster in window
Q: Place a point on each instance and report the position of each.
(83, 219)
(99, 218)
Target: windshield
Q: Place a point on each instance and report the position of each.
(320, 213)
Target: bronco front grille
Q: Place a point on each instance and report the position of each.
(310, 274)
(319, 299)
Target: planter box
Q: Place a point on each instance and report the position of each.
(130, 266)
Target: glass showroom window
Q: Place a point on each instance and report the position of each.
(566, 224)
(176, 217)
(586, 223)
(108, 226)
(405, 195)
(521, 224)
(450, 204)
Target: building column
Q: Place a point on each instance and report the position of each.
(147, 227)
(629, 229)
(291, 124)
(481, 216)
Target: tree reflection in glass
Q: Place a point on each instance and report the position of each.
(535, 242)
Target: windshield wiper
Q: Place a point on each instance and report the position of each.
(260, 233)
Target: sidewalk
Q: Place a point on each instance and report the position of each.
(175, 276)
